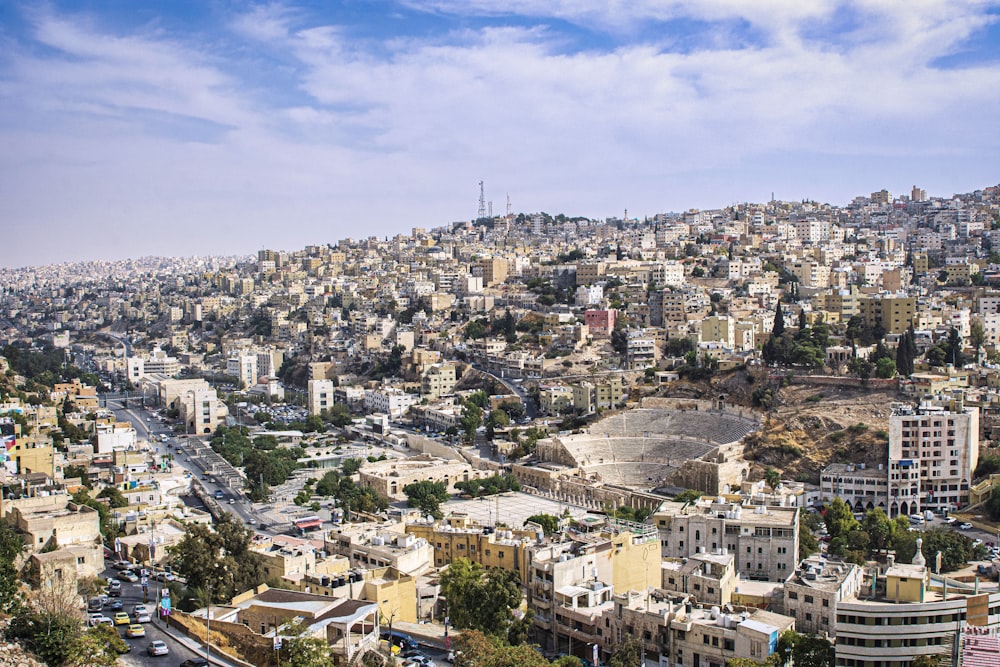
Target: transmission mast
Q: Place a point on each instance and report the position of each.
(482, 202)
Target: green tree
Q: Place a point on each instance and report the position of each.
(339, 415)
(219, 561)
(477, 649)
(839, 519)
(426, 496)
(480, 599)
(472, 418)
(808, 544)
(813, 651)
(863, 368)
(11, 548)
(301, 650)
(99, 646)
(779, 322)
(351, 466)
(114, 495)
(885, 368)
(549, 523)
(498, 419)
(977, 336)
(628, 653)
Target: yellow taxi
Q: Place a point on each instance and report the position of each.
(121, 618)
(135, 630)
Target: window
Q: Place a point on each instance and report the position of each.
(826, 603)
(809, 599)
(792, 595)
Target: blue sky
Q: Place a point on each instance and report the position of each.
(216, 127)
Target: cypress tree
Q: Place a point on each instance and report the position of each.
(779, 322)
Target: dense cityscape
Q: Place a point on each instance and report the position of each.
(757, 435)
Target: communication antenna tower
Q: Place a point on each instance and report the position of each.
(482, 202)
(508, 204)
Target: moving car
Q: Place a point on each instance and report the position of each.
(98, 619)
(195, 662)
(135, 630)
(121, 618)
(157, 647)
(128, 575)
(965, 526)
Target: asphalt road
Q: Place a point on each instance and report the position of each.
(132, 595)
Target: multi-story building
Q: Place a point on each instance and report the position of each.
(938, 440)
(711, 637)
(157, 363)
(894, 314)
(640, 353)
(555, 399)
(201, 410)
(389, 400)
(569, 581)
(438, 380)
(859, 486)
(710, 578)
(601, 322)
(908, 617)
(243, 367)
(814, 590)
(763, 540)
(597, 395)
(319, 396)
(368, 545)
(456, 536)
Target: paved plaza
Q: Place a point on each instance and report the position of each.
(511, 508)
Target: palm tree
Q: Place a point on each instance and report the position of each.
(772, 478)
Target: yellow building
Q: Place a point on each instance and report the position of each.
(893, 313)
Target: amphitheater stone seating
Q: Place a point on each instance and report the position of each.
(641, 447)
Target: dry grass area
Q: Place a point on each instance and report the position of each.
(815, 426)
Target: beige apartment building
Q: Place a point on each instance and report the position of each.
(763, 540)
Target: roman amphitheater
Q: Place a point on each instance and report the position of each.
(626, 456)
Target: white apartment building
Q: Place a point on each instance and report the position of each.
(319, 396)
(942, 440)
(158, 362)
(589, 295)
(243, 366)
(391, 401)
(667, 273)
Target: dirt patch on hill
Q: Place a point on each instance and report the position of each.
(806, 427)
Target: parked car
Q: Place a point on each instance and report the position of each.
(195, 662)
(916, 518)
(157, 647)
(965, 526)
(135, 630)
(98, 619)
(951, 521)
(94, 605)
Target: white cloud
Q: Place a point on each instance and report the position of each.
(357, 139)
